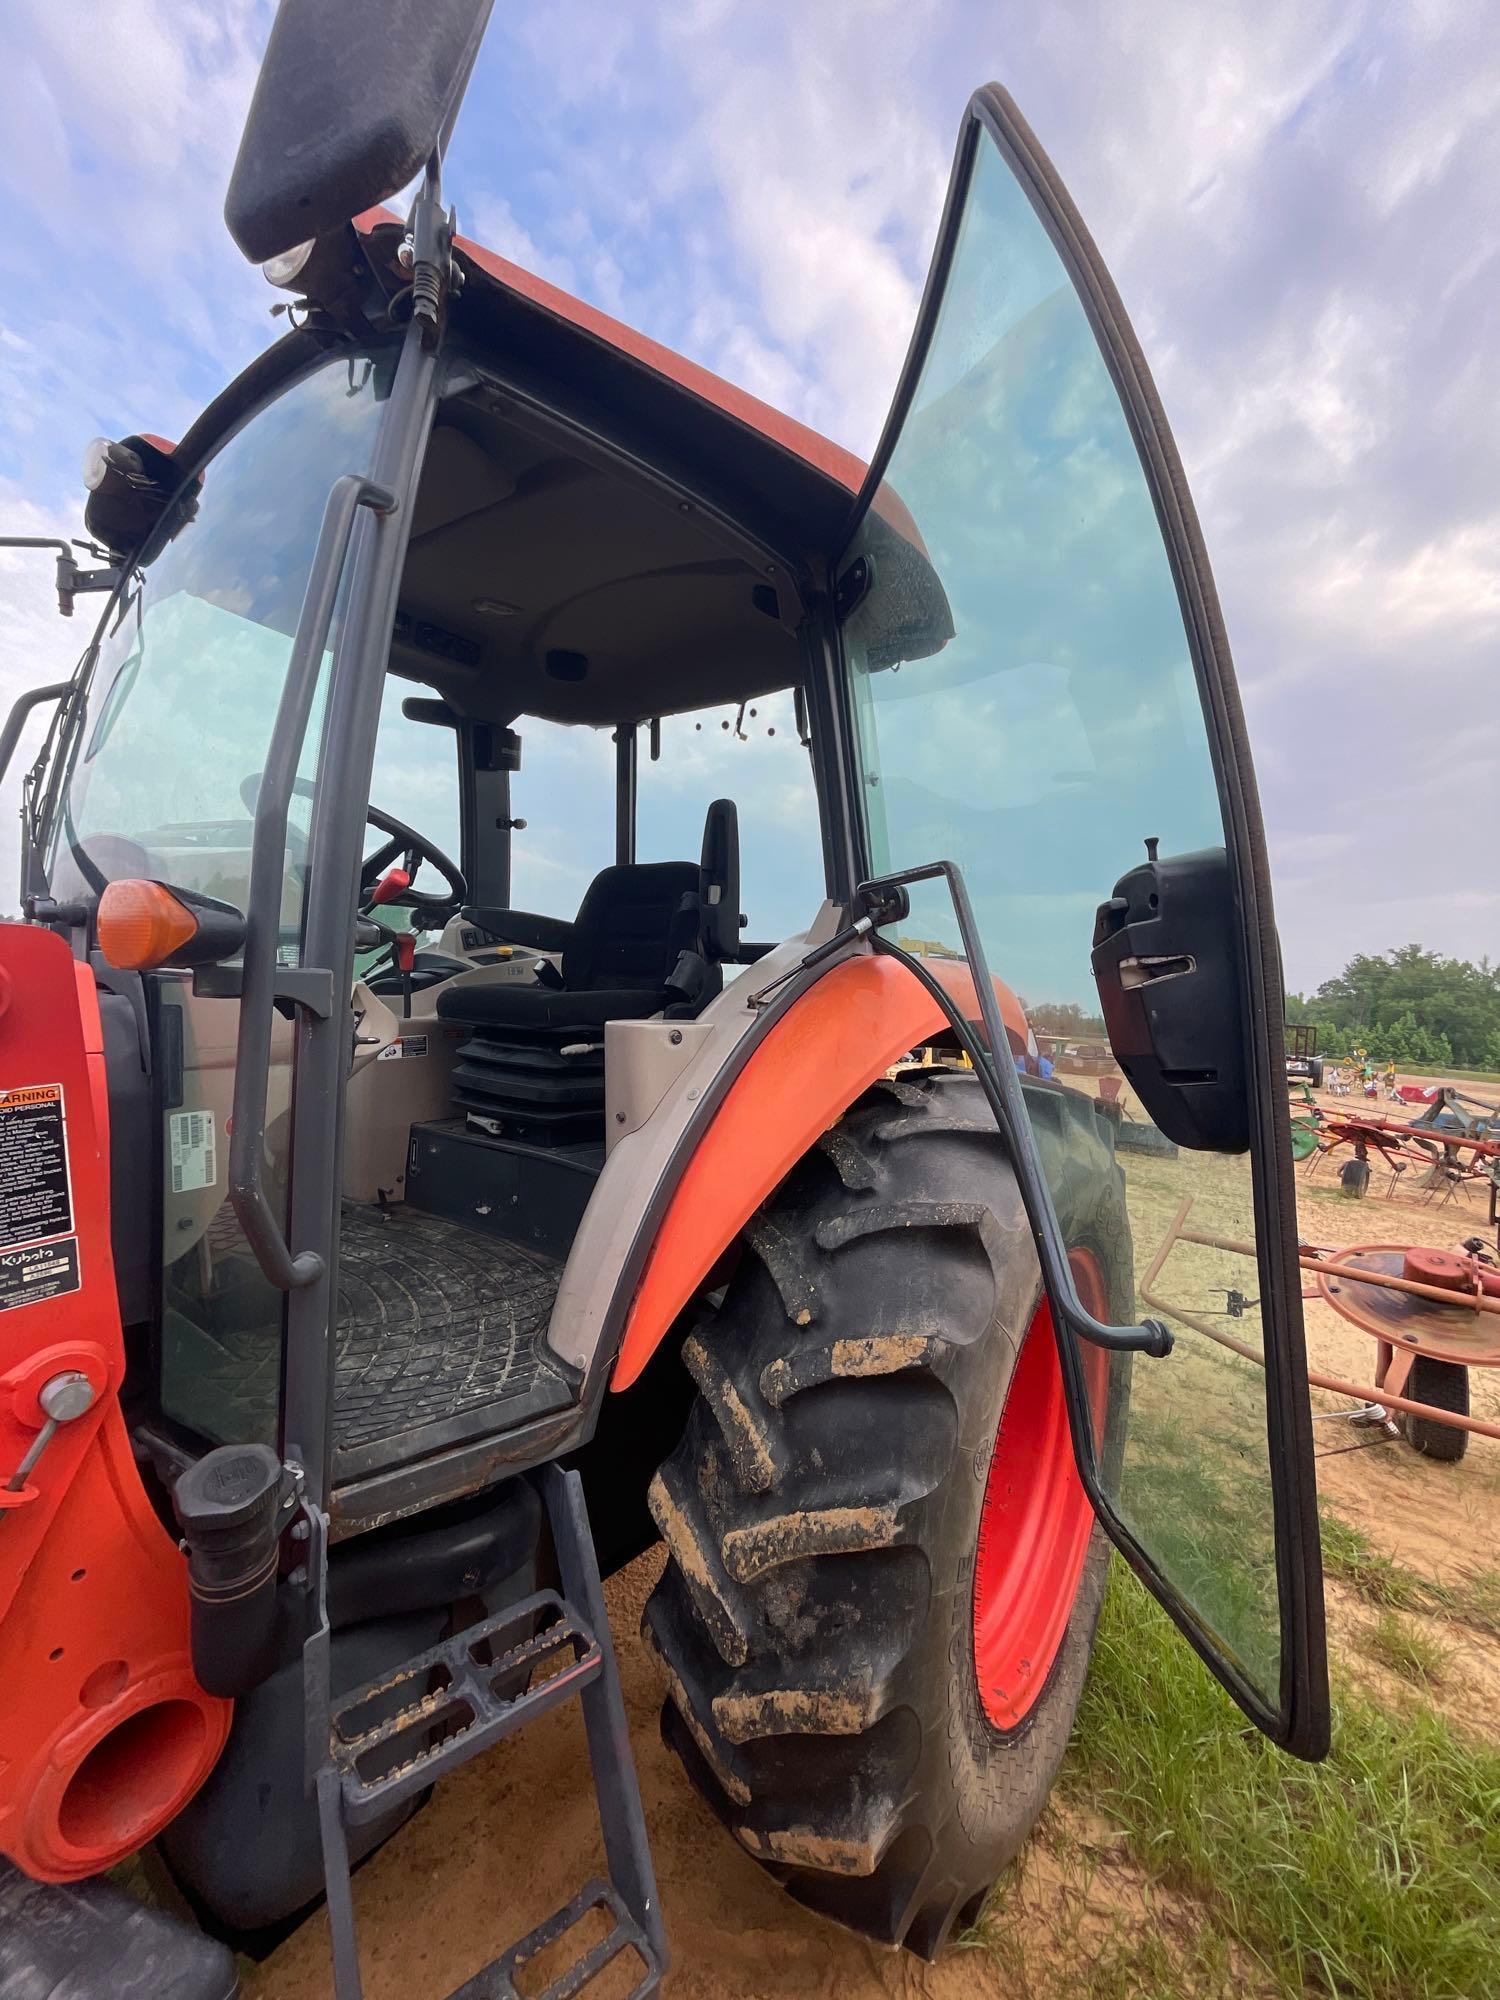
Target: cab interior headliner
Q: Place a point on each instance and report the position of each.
(652, 604)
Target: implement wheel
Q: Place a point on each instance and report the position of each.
(1444, 1384)
(884, 1575)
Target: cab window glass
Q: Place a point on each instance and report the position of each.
(749, 752)
(164, 768)
(1027, 707)
(565, 792)
(415, 779)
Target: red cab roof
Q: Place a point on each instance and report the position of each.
(819, 452)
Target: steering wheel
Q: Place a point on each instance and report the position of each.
(402, 840)
(415, 848)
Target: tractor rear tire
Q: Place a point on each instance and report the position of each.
(1444, 1384)
(817, 1613)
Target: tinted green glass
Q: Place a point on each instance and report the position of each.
(163, 774)
(1027, 707)
(752, 755)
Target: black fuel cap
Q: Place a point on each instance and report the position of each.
(231, 1487)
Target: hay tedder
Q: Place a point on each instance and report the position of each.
(454, 1125)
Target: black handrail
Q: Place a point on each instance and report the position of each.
(997, 1076)
(247, 1193)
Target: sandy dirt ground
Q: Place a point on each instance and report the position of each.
(511, 1836)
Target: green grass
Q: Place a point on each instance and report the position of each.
(1477, 1601)
(1350, 1555)
(1203, 1515)
(1373, 1876)
(1407, 1650)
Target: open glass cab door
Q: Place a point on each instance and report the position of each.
(1042, 694)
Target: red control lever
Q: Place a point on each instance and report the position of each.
(404, 950)
(393, 883)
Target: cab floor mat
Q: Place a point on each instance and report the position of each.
(441, 1330)
(441, 1337)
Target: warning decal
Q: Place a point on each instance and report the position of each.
(35, 1197)
(406, 1048)
(44, 1271)
(193, 1163)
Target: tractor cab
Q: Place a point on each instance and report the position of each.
(592, 810)
(521, 1047)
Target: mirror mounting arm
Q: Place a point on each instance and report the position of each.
(70, 578)
(426, 253)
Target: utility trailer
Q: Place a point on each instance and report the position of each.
(455, 1124)
(1303, 1063)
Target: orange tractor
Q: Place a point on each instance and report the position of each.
(453, 1081)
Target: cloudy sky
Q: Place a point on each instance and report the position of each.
(1296, 198)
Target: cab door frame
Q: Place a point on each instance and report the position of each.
(371, 577)
(1300, 1723)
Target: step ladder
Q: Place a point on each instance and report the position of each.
(380, 1745)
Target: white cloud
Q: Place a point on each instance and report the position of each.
(491, 220)
(1449, 584)
(1295, 197)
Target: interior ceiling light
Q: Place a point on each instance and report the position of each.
(496, 607)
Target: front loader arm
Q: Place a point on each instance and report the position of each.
(104, 1732)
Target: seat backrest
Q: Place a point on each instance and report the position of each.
(632, 924)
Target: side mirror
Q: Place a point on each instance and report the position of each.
(1166, 964)
(354, 96)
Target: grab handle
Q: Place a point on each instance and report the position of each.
(247, 1193)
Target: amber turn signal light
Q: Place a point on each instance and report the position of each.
(141, 924)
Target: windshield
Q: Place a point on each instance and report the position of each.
(165, 758)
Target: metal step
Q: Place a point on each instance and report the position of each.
(499, 1981)
(395, 1736)
(464, 1695)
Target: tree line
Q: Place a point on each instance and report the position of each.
(1063, 1018)
(1409, 1005)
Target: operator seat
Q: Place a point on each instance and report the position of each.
(649, 937)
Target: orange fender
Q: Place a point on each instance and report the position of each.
(104, 1732)
(859, 1018)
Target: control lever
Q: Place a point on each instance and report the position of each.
(404, 955)
(392, 885)
(63, 1399)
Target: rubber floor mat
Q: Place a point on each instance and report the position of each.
(437, 1325)
(441, 1337)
